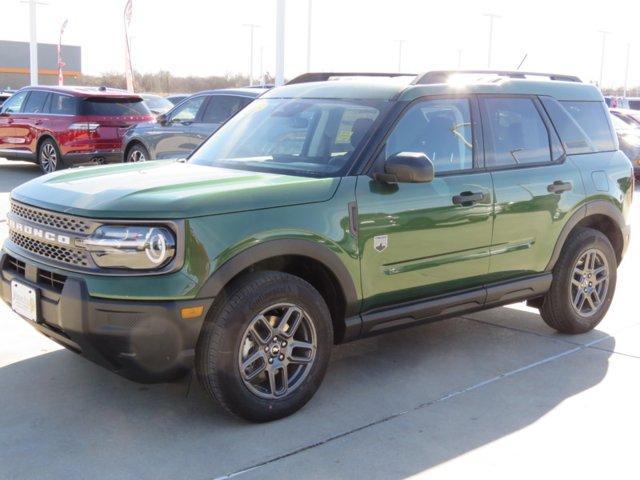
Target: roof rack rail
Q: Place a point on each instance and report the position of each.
(441, 76)
(324, 76)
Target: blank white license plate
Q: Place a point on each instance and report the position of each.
(24, 300)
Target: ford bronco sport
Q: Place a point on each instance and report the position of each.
(328, 210)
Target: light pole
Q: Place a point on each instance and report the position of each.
(604, 41)
(309, 11)
(33, 42)
(400, 44)
(280, 13)
(251, 27)
(626, 71)
(491, 16)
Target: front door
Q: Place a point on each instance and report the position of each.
(177, 137)
(424, 239)
(11, 133)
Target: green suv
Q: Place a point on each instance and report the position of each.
(328, 210)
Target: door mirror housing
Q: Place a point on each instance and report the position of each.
(407, 167)
(162, 119)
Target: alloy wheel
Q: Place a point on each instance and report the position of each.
(277, 351)
(589, 282)
(48, 158)
(136, 156)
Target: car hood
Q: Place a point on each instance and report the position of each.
(163, 190)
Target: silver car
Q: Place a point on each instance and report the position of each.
(182, 129)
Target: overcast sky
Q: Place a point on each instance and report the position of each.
(206, 37)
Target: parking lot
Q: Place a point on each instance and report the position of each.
(493, 394)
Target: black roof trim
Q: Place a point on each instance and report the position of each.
(324, 76)
(440, 76)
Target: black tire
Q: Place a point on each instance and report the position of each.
(49, 157)
(558, 309)
(137, 153)
(226, 333)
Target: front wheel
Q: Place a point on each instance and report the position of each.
(584, 280)
(265, 346)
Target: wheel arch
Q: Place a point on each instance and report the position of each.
(599, 215)
(41, 139)
(312, 262)
(130, 143)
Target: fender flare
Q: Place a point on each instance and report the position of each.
(276, 248)
(595, 207)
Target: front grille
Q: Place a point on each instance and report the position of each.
(70, 256)
(51, 279)
(50, 219)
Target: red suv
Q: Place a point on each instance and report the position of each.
(58, 127)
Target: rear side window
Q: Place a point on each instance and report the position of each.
(573, 137)
(63, 105)
(35, 102)
(515, 131)
(113, 107)
(221, 108)
(593, 119)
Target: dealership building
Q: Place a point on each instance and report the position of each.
(14, 64)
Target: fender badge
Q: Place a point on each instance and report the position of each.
(380, 242)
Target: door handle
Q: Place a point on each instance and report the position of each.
(37, 122)
(468, 198)
(559, 186)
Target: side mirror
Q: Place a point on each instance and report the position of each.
(407, 167)
(161, 119)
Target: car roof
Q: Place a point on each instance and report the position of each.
(404, 88)
(80, 91)
(251, 92)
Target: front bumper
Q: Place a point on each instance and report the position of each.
(96, 157)
(145, 341)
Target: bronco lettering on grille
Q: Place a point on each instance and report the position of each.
(39, 233)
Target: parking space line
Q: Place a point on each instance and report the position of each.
(441, 399)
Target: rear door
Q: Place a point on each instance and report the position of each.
(178, 136)
(537, 187)
(419, 240)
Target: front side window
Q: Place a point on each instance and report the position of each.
(187, 111)
(515, 131)
(14, 103)
(315, 137)
(441, 129)
(221, 108)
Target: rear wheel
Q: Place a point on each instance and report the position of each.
(49, 158)
(265, 346)
(137, 153)
(584, 280)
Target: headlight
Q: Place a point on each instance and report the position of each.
(132, 247)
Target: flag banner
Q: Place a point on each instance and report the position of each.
(61, 63)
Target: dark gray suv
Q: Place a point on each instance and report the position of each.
(181, 130)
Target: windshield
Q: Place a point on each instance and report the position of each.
(314, 137)
(114, 107)
(155, 102)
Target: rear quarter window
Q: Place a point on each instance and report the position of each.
(574, 139)
(114, 107)
(592, 117)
